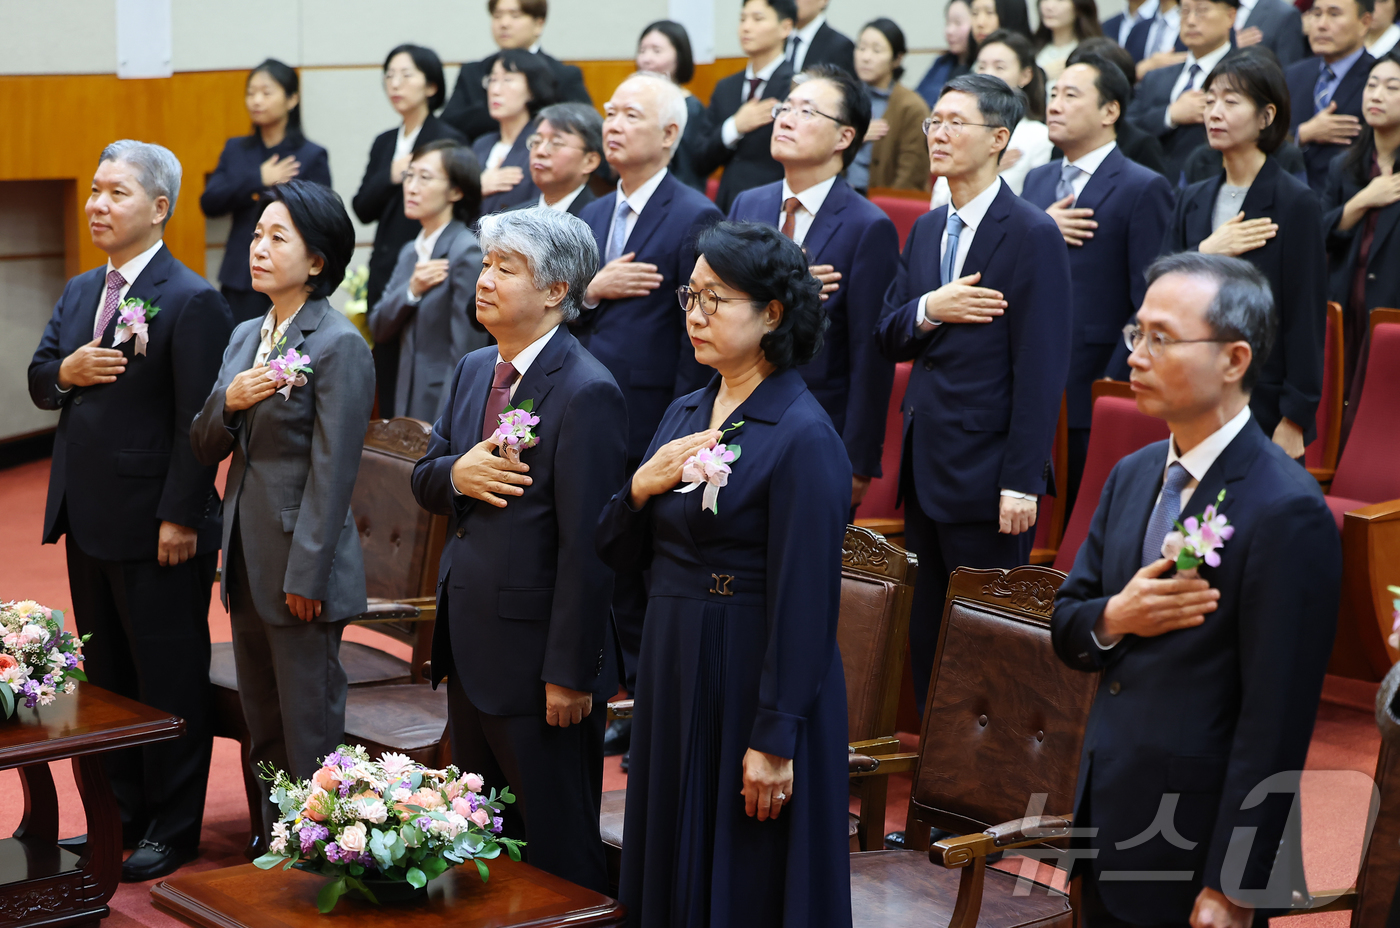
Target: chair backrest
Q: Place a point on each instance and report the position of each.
(902, 210)
(877, 592)
(1323, 450)
(1116, 431)
(1050, 515)
(879, 502)
(1367, 469)
(1005, 718)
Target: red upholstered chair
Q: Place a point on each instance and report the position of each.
(1050, 519)
(878, 511)
(712, 188)
(1321, 455)
(1116, 431)
(1369, 470)
(902, 206)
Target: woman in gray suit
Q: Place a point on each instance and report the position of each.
(429, 304)
(293, 571)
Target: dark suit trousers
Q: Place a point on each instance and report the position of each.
(556, 775)
(290, 683)
(150, 642)
(941, 548)
(629, 611)
(246, 304)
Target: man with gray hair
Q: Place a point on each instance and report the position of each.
(1212, 647)
(531, 445)
(128, 358)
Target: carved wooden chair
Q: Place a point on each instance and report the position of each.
(996, 753)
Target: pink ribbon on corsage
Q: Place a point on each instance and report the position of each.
(710, 467)
(133, 321)
(515, 431)
(289, 371)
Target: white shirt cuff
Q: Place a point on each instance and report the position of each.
(592, 305)
(1167, 118)
(922, 320)
(1101, 646)
(62, 392)
(412, 300)
(729, 133)
(1017, 494)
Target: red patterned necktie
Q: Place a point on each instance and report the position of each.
(115, 282)
(499, 397)
(753, 87)
(790, 206)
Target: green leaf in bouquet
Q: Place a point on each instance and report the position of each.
(735, 449)
(411, 836)
(415, 780)
(76, 674)
(528, 405)
(356, 870)
(416, 878)
(434, 867)
(363, 890)
(483, 870)
(7, 700)
(269, 860)
(330, 894)
(490, 852)
(381, 850)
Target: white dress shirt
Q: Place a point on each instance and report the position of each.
(811, 199)
(563, 203)
(1242, 16)
(129, 271)
(804, 37)
(1385, 43)
(1200, 458)
(424, 246)
(1088, 165)
(1143, 14)
(1163, 33)
(522, 361)
(729, 132)
(403, 144)
(1207, 64)
(638, 201)
(271, 334)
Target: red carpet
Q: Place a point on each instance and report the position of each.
(1335, 789)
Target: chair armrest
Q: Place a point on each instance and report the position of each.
(883, 526)
(620, 709)
(876, 746)
(1323, 476)
(864, 765)
(954, 853)
(1370, 560)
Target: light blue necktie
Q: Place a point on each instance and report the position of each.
(617, 238)
(1165, 513)
(950, 253)
(1069, 173)
(1322, 90)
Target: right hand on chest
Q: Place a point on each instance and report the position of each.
(249, 388)
(663, 470)
(482, 475)
(91, 365)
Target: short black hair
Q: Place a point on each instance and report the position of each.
(463, 172)
(1001, 104)
(1025, 55)
(427, 61)
(786, 9)
(1110, 50)
(286, 77)
(855, 103)
(760, 261)
(324, 226)
(537, 9)
(1255, 72)
(1108, 81)
(893, 35)
(579, 119)
(680, 40)
(538, 78)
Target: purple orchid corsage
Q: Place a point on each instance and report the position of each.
(1198, 540)
(710, 467)
(515, 430)
(133, 319)
(289, 370)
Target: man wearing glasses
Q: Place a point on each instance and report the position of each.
(1189, 776)
(565, 150)
(981, 304)
(851, 244)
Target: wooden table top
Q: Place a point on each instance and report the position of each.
(516, 896)
(90, 721)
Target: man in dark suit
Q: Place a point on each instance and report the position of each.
(140, 514)
(1154, 41)
(523, 598)
(631, 322)
(1171, 102)
(981, 303)
(1113, 215)
(566, 149)
(1325, 91)
(1209, 684)
(853, 248)
(1276, 25)
(814, 42)
(514, 24)
(740, 125)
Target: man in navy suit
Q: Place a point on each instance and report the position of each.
(981, 303)
(813, 42)
(1171, 102)
(631, 322)
(522, 596)
(1325, 91)
(1209, 685)
(1276, 25)
(852, 246)
(1113, 214)
(140, 514)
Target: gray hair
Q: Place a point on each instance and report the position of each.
(671, 100)
(1243, 307)
(1001, 104)
(558, 247)
(578, 119)
(157, 168)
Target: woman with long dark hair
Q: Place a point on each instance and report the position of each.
(1257, 211)
(895, 152)
(275, 152)
(962, 51)
(1063, 25)
(664, 48)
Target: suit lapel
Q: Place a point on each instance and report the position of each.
(1259, 199)
(990, 233)
(1227, 472)
(602, 218)
(306, 320)
(87, 308)
(477, 392)
(445, 240)
(1125, 547)
(1385, 224)
(1351, 85)
(537, 382)
(653, 214)
(1198, 211)
(1101, 182)
(147, 286)
(827, 220)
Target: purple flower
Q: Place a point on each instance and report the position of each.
(333, 759)
(423, 822)
(70, 659)
(496, 825)
(473, 801)
(344, 790)
(311, 832)
(334, 854)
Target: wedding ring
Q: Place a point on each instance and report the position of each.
(781, 797)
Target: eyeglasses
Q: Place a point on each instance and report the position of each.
(706, 299)
(1157, 342)
(954, 126)
(804, 113)
(551, 146)
(514, 77)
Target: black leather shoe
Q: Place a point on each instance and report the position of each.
(151, 861)
(257, 846)
(626, 757)
(618, 737)
(894, 841)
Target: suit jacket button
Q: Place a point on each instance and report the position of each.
(928, 364)
(78, 400)
(1370, 276)
(1114, 688)
(1084, 656)
(462, 532)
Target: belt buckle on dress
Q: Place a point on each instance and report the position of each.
(721, 586)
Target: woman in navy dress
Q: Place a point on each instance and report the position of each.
(737, 796)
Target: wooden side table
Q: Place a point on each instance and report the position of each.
(517, 895)
(41, 883)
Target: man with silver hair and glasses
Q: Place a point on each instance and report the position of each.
(128, 357)
(531, 445)
(1212, 647)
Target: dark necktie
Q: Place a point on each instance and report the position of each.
(790, 207)
(499, 397)
(1165, 513)
(1192, 76)
(753, 87)
(792, 51)
(1321, 95)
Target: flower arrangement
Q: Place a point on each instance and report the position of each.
(515, 431)
(710, 467)
(133, 318)
(1198, 540)
(385, 821)
(289, 369)
(1395, 615)
(356, 309)
(38, 659)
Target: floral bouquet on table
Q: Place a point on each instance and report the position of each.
(384, 823)
(38, 659)
(356, 309)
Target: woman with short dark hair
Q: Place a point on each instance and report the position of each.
(429, 305)
(275, 152)
(1257, 211)
(737, 794)
(291, 405)
(518, 87)
(664, 48)
(895, 152)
